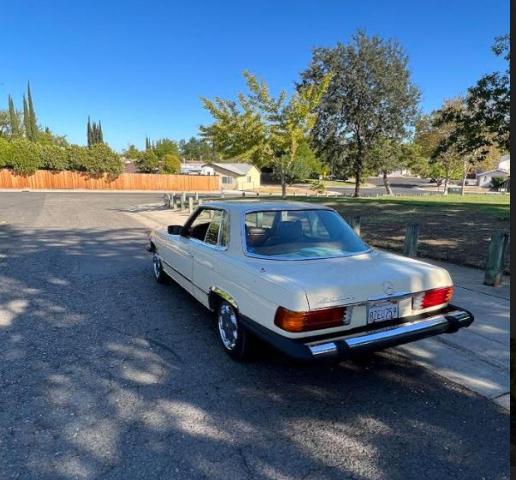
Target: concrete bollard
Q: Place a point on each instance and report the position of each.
(496, 259)
(221, 194)
(172, 201)
(200, 202)
(166, 200)
(190, 204)
(196, 197)
(355, 224)
(411, 239)
(182, 203)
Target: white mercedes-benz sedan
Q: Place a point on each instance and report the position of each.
(297, 276)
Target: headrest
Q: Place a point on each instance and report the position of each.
(290, 231)
(256, 236)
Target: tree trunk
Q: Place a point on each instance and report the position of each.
(386, 183)
(357, 183)
(283, 185)
(358, 169)
(446, 179)
(464, 174)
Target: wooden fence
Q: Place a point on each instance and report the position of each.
(46, 179)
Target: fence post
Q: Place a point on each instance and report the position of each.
(496, 259)
(411, 238)
(190, 204)
(355, 224)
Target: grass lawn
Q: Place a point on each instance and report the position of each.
(452, 227)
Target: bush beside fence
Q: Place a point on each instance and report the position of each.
(47, 179)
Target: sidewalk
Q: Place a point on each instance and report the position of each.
(476, 357)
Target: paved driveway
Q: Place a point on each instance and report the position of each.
(106, 374)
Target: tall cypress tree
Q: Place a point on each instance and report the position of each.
(88, 132)
(26, 119)
(32, 114)
(13, 119)
(101, 136)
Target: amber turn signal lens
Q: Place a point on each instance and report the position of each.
(432, 298)
(305, 321)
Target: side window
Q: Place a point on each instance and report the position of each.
(212, 233)
(224, 230)
(200, 224)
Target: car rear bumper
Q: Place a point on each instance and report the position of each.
(448, 320)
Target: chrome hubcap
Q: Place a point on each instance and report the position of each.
(228, 326)
(157, 265)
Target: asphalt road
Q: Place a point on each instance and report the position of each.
(104, 374)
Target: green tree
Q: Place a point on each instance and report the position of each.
(197, 149)
(26, 119)
(165, 146)
(389, 154)
(488, 114)
(13, 119)
(264, 129)
(32, 115)
(132, 152)
(170, 163)
(441, 164)
(370, 96)
(148, 162)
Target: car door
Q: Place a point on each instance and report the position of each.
(209, 255)
(178, 253)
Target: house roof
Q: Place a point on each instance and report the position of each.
(496, 170)
(238, 168)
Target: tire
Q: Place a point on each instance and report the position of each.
(159, 273)
(235, 339)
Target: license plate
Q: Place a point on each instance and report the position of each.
(382, 311)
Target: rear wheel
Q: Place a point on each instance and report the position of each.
(237, 342)
(159, 273)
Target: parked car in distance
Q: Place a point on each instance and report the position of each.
(297, 276)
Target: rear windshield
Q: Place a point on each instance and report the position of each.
(298, 234)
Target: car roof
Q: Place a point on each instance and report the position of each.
(250, 205)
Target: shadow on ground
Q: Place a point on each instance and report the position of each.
(106, 374)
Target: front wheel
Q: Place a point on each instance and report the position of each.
(159, 273)
(237, 342)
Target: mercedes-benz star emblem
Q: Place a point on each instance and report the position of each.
(388, 288)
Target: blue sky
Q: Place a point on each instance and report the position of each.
(141, 66)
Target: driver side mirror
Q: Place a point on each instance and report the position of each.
(175, 229)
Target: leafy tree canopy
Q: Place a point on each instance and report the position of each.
(370, 96)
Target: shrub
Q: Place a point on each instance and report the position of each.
(5, 152)
(53, 157)
(170, 163)
(102, 159)
(24, 156)
(317, 186)
(148, 163)
(498, 182)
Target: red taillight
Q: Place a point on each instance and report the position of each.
(432, 298)
(314, 320)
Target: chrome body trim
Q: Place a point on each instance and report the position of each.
(432, 325)
(322, 349)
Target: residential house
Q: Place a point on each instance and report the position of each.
(237, 176)
(502, 170)
(196, 168)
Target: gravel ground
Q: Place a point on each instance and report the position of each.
(106, 374)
